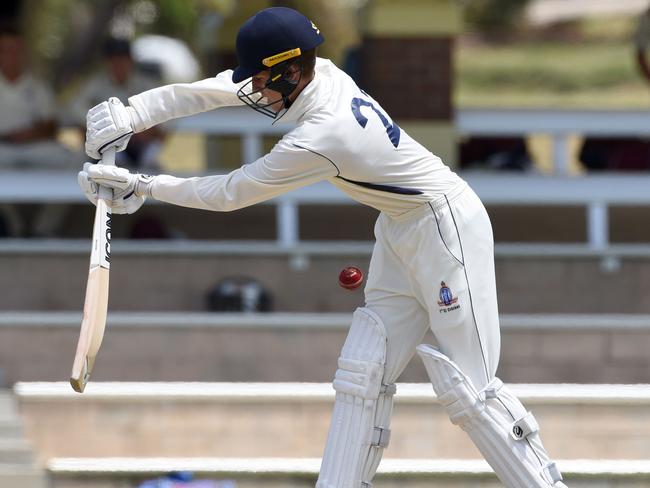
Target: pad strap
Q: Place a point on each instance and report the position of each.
(551, 473)
(496, 421)
(491, 391)
(362, 409)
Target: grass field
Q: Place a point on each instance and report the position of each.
(590, 65)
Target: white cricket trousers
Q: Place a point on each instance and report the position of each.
(433, 267)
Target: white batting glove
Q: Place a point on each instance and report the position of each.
(107, 125)
(129, 190)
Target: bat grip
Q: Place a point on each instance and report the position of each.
(108, 158)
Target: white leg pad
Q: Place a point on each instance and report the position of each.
(362, 409)
(496, 421)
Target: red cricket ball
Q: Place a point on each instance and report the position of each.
(350, 278)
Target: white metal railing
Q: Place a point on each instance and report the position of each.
(241, 121)
(595, 192)
(559, 124)
(637, 469)
(545, 393)
(282, 321)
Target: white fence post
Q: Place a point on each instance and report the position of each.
(251, 146)
(287, 225)
(561, 159)
(597, 225)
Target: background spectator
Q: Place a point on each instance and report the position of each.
(495, 153)
(615, 154)
(641, 42)
(27, 112)
(120, 78)
(28, 130)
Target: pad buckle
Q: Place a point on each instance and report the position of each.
(388, 390)
(524, 427)
(380, 437)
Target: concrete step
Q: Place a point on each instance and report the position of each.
(302, 473)
(280, 347)
(16, 451)
(11, 429)
(17, 461)
(7, 405)
(292, 419)
(18, 476)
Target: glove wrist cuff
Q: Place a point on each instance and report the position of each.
(143, 186)
(137, 123)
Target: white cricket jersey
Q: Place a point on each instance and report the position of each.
(341, 135)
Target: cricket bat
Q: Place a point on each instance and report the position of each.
(93, 321)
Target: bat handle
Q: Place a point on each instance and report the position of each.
(108, 158)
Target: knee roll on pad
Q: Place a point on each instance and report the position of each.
(496, 421)
(363, 406)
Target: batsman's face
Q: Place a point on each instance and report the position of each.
(259, 85)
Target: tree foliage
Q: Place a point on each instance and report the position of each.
(495, 17)
(65, 36)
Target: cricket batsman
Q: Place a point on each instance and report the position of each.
(432, 266)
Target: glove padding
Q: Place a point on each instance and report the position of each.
(107, 125)
(129, 190)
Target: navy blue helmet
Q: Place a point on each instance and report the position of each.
(272, 36)
(273, 39)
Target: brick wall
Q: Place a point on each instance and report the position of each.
(410, 77)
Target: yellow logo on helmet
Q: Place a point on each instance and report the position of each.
(278, 58)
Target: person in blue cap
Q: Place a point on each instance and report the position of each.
(432, 266)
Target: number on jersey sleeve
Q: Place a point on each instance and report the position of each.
(392, 130)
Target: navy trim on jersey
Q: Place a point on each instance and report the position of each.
(372, 186)
(386, 188)
(321, 155)
(469, 292)
(442, 237)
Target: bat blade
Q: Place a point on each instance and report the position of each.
(93, 322)
(92, 327)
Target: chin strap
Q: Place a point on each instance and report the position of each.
(279, 82)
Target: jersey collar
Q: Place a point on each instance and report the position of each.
(313, 94)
